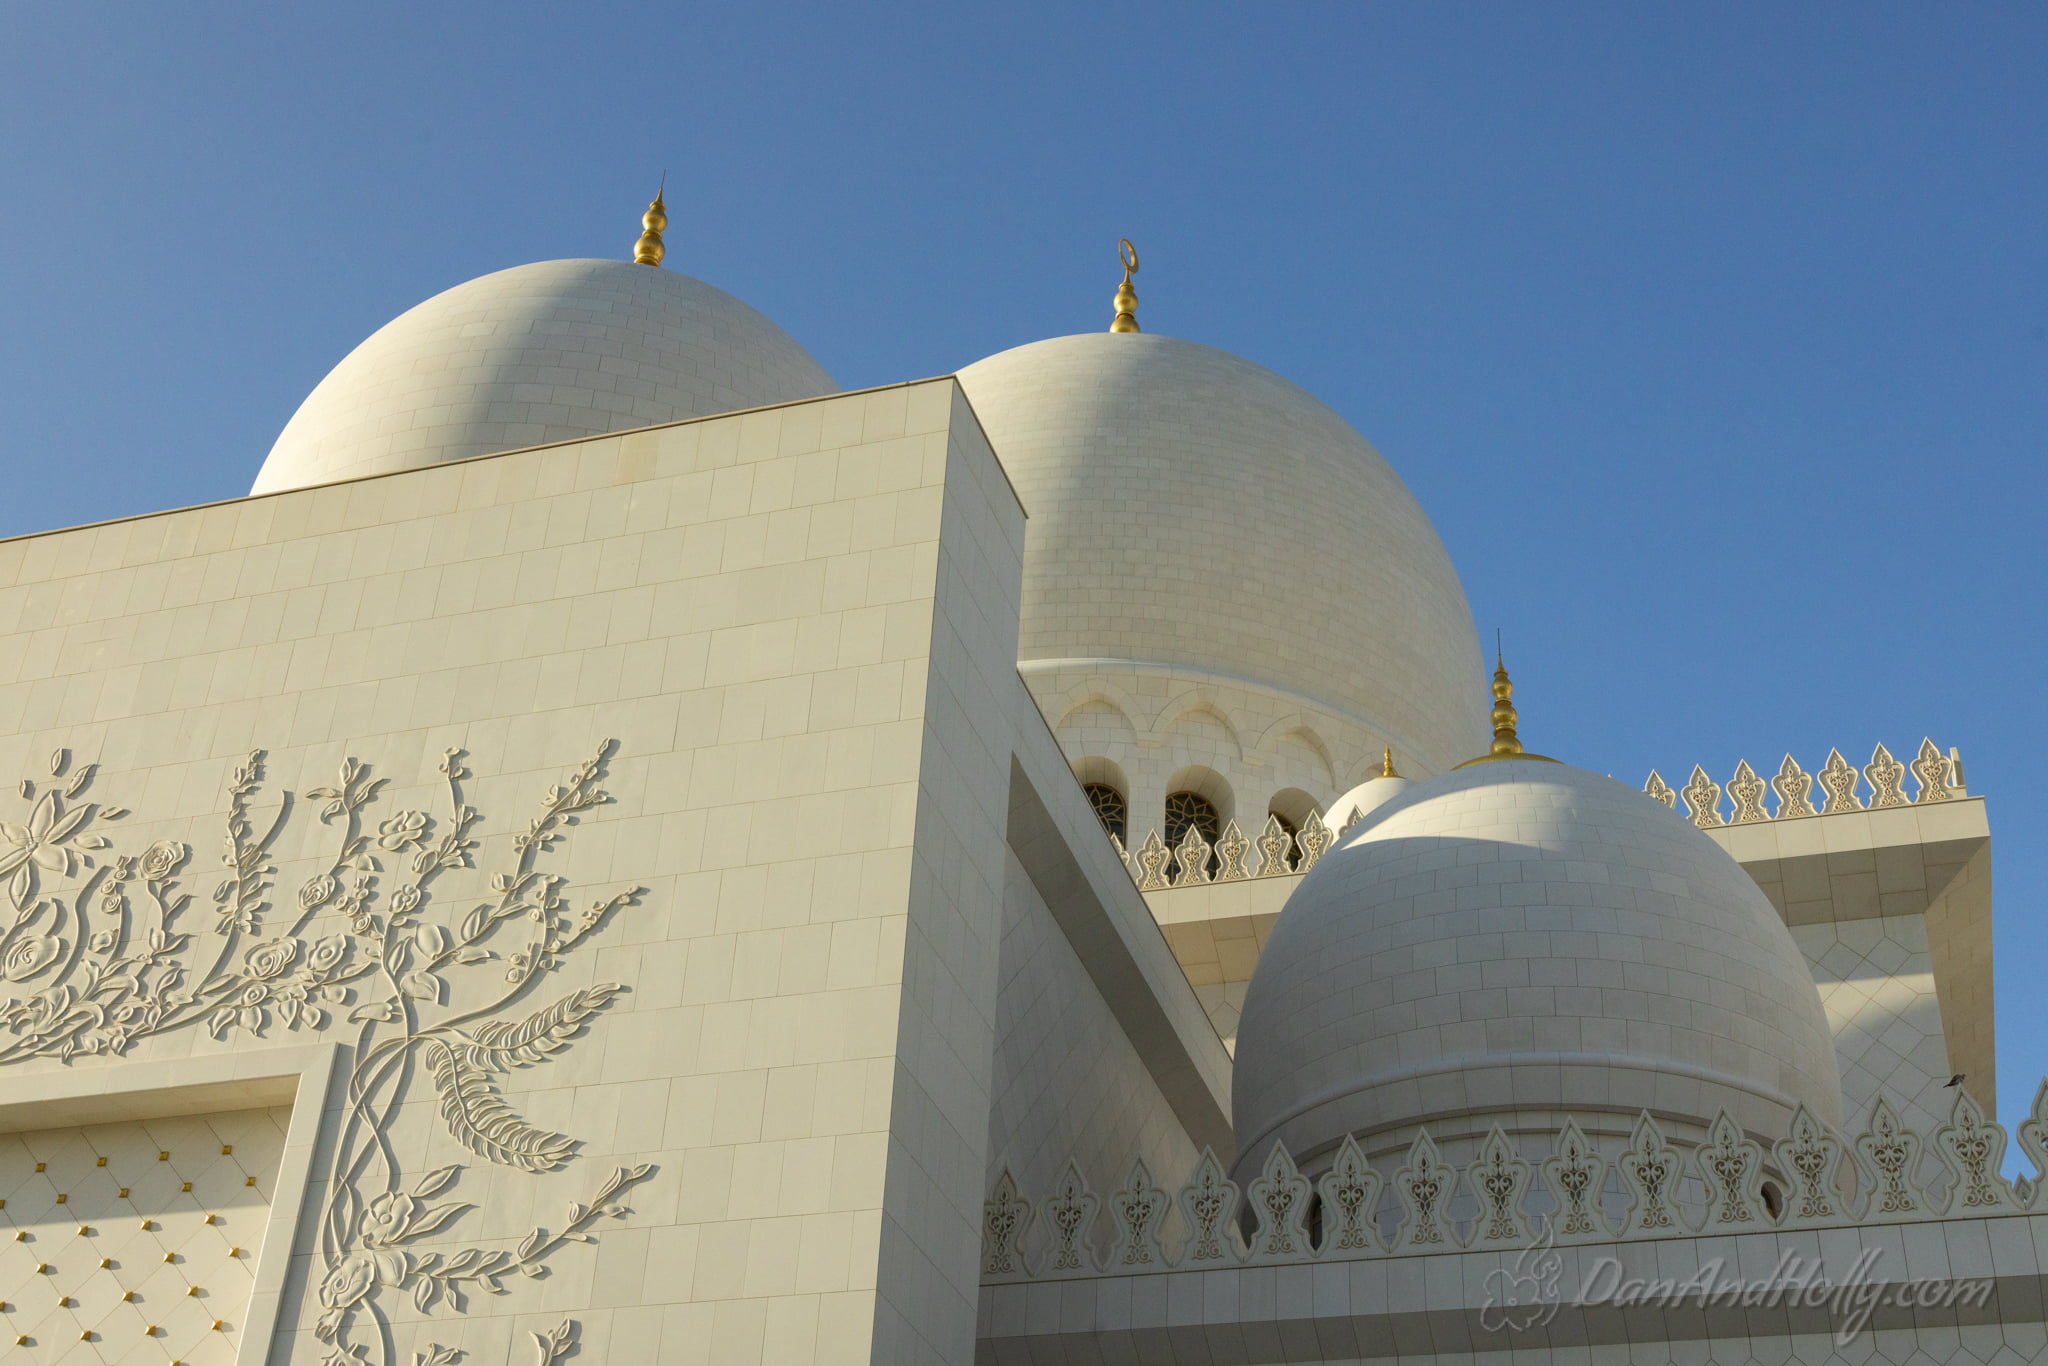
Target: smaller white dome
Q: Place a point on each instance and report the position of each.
(539, 353)
(1516, 942)
(1368, 797)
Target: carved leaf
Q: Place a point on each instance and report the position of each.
(422, 986)
(435, 1181)
(435, 1219)
(482, 1122)
(503, 1045)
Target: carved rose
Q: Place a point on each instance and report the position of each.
(403, 830)
(161, 859)
(388, 1218)
(405, 900)
(271, 957)
(29, 955)
(327, 954)
(317, 892)
(348, 1280)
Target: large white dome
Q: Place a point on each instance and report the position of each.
(1191, 509)
(539, 353)
(1515, 942)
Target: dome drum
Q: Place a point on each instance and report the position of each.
(1537, 1104)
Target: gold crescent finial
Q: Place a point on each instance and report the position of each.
(1387, 764)
(1126, 297)
(1506, 743)
(648, 251)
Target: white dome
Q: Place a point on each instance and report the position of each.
(539, 353)
(1191, 509)
(1370, 795)
(1518, 941)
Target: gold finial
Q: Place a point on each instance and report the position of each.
(1126, 297)
(648, 251)
(1387, 764)
(1506, 744)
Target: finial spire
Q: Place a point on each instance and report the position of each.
(1387, 764)
(1506, 743)
(1126, 297)
(648, 251)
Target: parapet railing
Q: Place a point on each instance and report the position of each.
(1056, 1236)
(1938, 778)
(1156, 865)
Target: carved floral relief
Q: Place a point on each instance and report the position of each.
(115, 947)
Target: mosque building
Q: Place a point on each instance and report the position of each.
(619, 851)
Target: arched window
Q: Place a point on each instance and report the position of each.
(1109, 808)
(1191, 810)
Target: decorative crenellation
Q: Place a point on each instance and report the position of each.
(1812, 1178)
(1234, 857)
(1837, 786)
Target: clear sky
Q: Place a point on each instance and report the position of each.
(1713, 337)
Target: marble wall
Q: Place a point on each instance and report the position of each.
(627, 809)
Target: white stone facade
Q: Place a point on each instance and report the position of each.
(652, 722)
(633, 900)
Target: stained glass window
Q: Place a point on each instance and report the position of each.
(1109, 807)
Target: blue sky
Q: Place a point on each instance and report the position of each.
(1713, 337)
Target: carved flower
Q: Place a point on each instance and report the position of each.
(405, 900)
(348, 1280)
(318, 891)
(29, 955)
(271, 957)
(39, 844)
(161, 859)
(388, 1218)
(403, 830)
(327, 954)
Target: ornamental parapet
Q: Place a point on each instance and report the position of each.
(1812, 1178)
(1835, 788)
(1279, 851)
